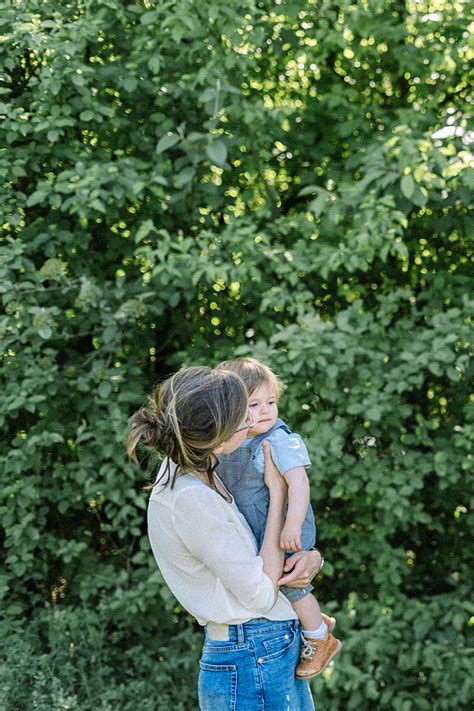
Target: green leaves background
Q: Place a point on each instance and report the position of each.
(182, 182)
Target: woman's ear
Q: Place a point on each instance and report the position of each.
(218, 450)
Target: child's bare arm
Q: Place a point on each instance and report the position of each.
(298, 502)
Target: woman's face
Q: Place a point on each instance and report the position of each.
(237, 438)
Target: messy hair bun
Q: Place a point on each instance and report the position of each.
(145, 428)
(188, 416)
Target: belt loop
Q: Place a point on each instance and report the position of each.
(240, 634)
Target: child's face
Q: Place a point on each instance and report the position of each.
(264, 408)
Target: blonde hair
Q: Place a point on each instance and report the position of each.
(188, 416)
(254, 373)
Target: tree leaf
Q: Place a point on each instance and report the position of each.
(318, 204)
(144, 230)
(148, 17)
(309, 190)
(217, 152)
(407, 186)
(167, 141)
(207, 95)
(185, 176)
(37, 197)
(420, 196)
(104, 389)
(45, 331)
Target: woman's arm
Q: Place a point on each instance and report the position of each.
(213, 534)
(301, 568)
(210, 532)
(270, 551)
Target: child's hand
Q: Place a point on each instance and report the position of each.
(290, 538)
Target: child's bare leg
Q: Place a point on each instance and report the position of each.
(319, 646)
(309, 613)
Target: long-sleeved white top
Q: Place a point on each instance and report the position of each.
(208, 556)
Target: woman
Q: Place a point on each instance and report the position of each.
(206, 551)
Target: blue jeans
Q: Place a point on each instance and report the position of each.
(254, 670)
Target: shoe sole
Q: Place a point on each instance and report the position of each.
(311, 676)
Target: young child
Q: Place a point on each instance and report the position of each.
(243, 474)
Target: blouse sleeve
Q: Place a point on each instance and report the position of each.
(212, 536)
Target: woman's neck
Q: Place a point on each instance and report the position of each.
(216, 485)
(203, 477)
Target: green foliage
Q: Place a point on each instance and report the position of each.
(71, 659)
(185, 181)
(402, 656)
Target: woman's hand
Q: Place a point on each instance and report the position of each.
(273, 479)
(300, 569)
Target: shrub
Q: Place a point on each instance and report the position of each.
(183, 182)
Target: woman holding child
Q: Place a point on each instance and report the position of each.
(207, 552)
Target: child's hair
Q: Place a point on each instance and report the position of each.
(254, 373)
(188, 416)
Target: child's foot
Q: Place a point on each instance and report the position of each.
(330, 621)
(316, 655)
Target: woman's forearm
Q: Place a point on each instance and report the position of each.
(270, 551)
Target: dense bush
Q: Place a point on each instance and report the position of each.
(185, 181)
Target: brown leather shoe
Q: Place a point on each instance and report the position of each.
(316, 655)
(330, 621)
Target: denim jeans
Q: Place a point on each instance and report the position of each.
(254, 670)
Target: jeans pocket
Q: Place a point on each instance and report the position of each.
(279, 645)
(217, 687)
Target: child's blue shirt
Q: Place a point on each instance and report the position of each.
(288, 450)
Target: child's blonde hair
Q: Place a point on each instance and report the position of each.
(254, 373)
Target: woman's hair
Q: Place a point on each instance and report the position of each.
(254, 373)
(188, 416)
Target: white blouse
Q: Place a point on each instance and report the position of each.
(208, 556)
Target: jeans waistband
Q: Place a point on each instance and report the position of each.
(237, 634)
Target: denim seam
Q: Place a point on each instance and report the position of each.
(228, 648)
(258, 678)
(275, 655)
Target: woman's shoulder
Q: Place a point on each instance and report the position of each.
(165, 487)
